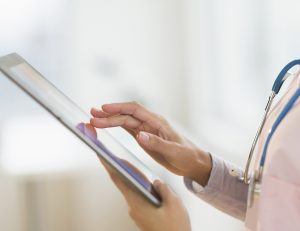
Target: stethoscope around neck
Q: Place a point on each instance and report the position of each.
(254, 180)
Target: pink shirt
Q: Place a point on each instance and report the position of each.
(278, 206)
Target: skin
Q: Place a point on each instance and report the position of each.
(172, 150)
(145, 215)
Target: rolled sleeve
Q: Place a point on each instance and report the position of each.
(223, 190)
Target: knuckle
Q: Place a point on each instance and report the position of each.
(121, 120)
(162, 119)
(127, 121)
(127, 118)
(178, 148)
(107, 121)
(155, 142)
(135, 103)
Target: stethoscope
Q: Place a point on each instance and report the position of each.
(254, 180)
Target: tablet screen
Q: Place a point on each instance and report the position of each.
(75, 119)
(90, 132)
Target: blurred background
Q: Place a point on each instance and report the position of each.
(207, 66)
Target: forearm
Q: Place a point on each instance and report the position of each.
(202, 167)
(222, 190)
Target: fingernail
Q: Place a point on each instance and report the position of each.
(144, 137)
(156, 183)
(95, 109)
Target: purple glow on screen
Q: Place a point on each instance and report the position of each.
(90, 132)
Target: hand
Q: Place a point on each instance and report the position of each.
(157, 138)
(171, 216)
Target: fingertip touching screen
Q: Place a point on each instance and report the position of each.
(77, 121)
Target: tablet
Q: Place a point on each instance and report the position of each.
(76, 120)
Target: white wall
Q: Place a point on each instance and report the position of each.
(128, 50)
(208, 65)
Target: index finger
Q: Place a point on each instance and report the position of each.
(129, 108)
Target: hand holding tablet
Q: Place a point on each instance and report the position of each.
(72, 117)
(151, 131)
(89, 131)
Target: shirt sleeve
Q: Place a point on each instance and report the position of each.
(223, 191)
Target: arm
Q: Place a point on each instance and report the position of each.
(223, 191)
(174, 152)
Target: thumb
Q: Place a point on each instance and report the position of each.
(164, 191)
(155, 143)
(163, 151)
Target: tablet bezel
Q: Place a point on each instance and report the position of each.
(11, 60)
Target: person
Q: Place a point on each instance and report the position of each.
(209, 176)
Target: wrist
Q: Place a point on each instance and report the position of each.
(202, 168)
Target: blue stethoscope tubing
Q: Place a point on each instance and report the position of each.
(282, 76)
(279, 119)
(276, 88)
